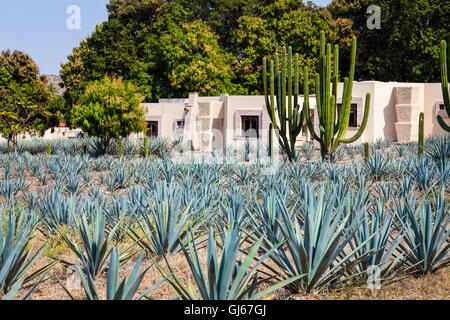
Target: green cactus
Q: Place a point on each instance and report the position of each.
(146, 147)
(270, 140)
(444, 83)
(332, 133)
(366, 151)
(287, 120)
(120, 148)
(49, 149)
(9, 147)
(421, 135)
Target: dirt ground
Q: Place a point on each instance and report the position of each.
(430, 287)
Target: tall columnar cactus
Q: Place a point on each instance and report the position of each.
(366, 151)
(270, 140)
(145, 147)
(421, 134)
(120, 148)
(332, 133)
(444, 83)
(287, 119)
(49, 149)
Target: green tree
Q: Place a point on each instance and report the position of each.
(24, 97)
(110, 50)
(222, 16)
(109, 109)
(406, 48)
(282, 23)
(188, 58)
(142, 40)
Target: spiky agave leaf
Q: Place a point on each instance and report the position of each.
(427, 232)
(226, 279)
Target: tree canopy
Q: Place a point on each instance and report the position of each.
(25, 101)
(109, 109)
(169, 48)
(406, 48)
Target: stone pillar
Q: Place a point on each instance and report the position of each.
(204, 126)
(191, 110)
(407, 110)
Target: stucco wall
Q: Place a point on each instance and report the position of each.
(225, 111)
(433, 97)
(167, 114)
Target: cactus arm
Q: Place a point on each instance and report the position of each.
(296, 84)
(336, 71)
(270, 140)
(280, 106)
(444, 85)
(444, 76)
(272, 96)
(330, 125)
(322, 43)
(347, 97)
(421, 134)
(341, 115)
(318, 100)
(363, 125)
(295, 117)
(298, 115)
(329, 101)
(283, 93)
(289, 74)
(266, 96)
(366, 151)
(283, 77)
(352, 72)
(323, 86)
(277, 64)
(443, 124)
(306, 105)
(345, 113)
(335, 86)
(270, 104)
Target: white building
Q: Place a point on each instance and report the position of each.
(209, 123)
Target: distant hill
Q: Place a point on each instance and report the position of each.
(55, 81)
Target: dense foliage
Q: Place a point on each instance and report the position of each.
(109, 109)
(168, 48)
(26, 104)
(406, 48)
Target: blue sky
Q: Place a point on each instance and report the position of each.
(39, 28)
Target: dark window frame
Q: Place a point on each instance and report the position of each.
(249, 122)
(353, 119)
(180, 124)
(149, 130)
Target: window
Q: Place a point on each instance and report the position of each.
(180, 124)
(353, 119)
(152, 129)
(250, 126)
(441, 107)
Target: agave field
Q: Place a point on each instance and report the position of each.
(79, 222)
